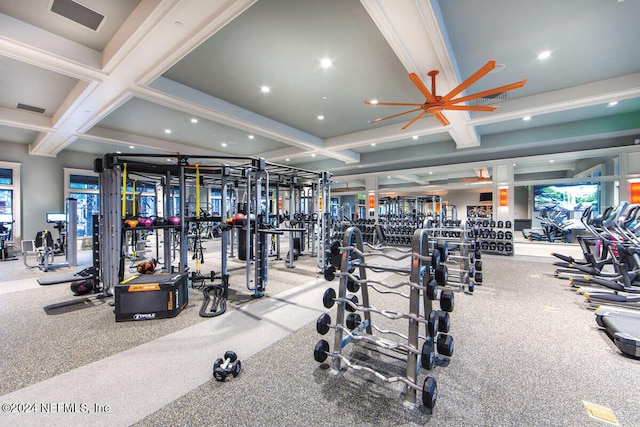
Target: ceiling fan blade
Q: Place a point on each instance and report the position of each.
(395, 115)
(441, 118)
(416, 81)
(413, 120)
(393, 104)
(470, 107)
(490, 92)
(471, 80)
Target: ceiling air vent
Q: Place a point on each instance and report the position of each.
(30, 108)
(492, 99)
(78, 13)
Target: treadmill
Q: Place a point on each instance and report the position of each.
(623, 326)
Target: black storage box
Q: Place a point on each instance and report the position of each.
(151, 296)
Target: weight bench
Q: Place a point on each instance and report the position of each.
(42, 248)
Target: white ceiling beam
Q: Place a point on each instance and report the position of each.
(25, 120)
(126, 139)
(413, 32)
(147, 52)
(602, 92)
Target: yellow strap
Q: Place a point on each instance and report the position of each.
(133, 208)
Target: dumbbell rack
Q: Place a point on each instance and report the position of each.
(399, 232)
(497, 237)
(348, 331)
(459, 245)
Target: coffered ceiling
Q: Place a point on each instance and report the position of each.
(190, 76)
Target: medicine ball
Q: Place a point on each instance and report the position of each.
(147, 266)
(82, 287)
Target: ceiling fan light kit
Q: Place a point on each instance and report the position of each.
(435, 104)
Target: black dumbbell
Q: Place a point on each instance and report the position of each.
(229, 364)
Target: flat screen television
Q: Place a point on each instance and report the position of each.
(6, 218)
(572, 197)
(486, 197)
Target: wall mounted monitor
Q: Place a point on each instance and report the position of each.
(6, 218)
(572, 197)
(56, 217)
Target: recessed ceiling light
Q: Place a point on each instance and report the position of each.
(373, 101)
(118, 152)
(224, 144)
(168, 160)
(526, 118)
(544, 55)
(388, 176)
(326, 62)
(415, 137)
(320, 117)
(551, 161)
(132, 147)
(373, 144)
(251, 136)
(324, 97)
(265, 89)
(194, 120)
(430, 173)
(167, 131)
(612, 104)
(313, 154)
(286, 160)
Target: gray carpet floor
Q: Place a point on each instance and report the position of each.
(527, 353)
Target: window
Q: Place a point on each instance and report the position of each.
(9, 197)
(83, 186)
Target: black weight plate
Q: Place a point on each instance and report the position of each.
(478, 277)
(428, 357)
(231, 355)
(433, 324)
(322, 324)
(220, 374)
(443, 247)
(471, 286)
(432, 286)
(445, 344)
(446, 300)
(329, 298)
(217, 363)
(353, 321)
(429, 393)
(320, 351)
(352, 285)
(478, 265)
(330, 273)
(354, 300)
(444, 321)
(442, 275)
(235, 368)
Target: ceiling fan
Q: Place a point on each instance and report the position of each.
(437, 104)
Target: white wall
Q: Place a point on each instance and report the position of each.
(42, 182)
